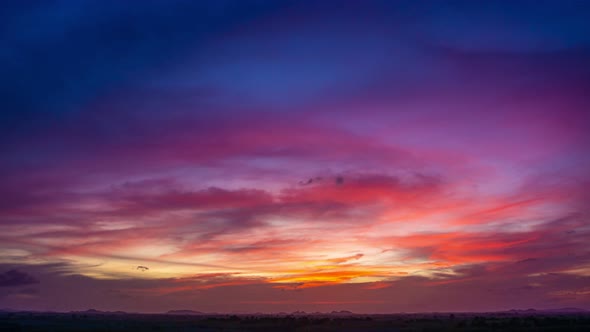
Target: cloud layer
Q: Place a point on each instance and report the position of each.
(239, 155)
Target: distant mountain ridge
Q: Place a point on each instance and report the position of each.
(558, 310)
(99, 312)
(530, 311)
(342, 312)
(184, 312)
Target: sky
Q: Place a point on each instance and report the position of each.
(273, 156)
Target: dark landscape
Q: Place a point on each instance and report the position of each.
(295, 165)
(568, 319)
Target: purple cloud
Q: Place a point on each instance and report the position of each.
(15, 278)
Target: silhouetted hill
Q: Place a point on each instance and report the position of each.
(544, 311)
(341, 312)
(99, 312)
(184, 312)
(569, 309)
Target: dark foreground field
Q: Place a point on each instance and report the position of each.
(399, 322)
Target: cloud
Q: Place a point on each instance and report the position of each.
(211, 199)
(346, 259)
(443, 151)
(487, 286)
(15, 278)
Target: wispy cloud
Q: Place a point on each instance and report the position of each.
(263, 155)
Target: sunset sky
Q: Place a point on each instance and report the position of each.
(267, 156)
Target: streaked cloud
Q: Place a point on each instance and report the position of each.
(370, 156)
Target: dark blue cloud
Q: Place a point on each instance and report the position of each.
(57, 56)
(15, 278)
(508, 26)
(144, 63)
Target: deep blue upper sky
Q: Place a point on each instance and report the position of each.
(58, 55)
